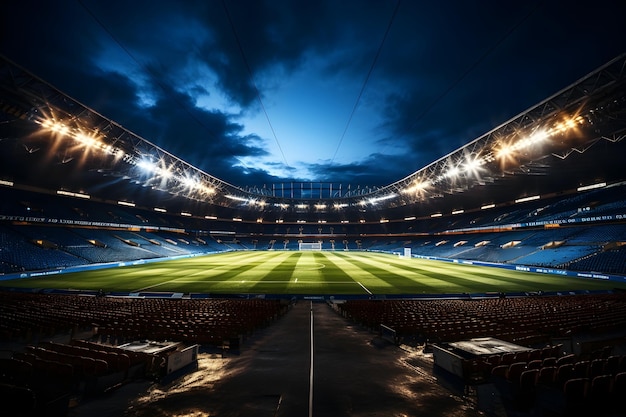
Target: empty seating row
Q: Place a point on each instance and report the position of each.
(204, 321)
(524, 320)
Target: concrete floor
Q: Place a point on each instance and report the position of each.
(354, 373)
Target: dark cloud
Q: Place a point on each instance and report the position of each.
(186, 75)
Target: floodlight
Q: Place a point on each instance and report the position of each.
(85, 139)
(539, 136)
(504, 151)
(473, 165)
(452, 172)
(55, 126)
(47, 123)
(417, 186)
(382, 198)
(71, 194)
(189, 182)
(206, 190)
(166, 172)
(591, 187)
(236, 198)
(147, 165)
(567, 124)
(531, 198)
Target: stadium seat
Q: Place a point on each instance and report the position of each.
(576, 391)
(547, 375)
(515, 371)
(599, 396)
(527, 389)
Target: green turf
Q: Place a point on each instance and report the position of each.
(341, 273)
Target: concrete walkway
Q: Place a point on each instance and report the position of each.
(354, 374)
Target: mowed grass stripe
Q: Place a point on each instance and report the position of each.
(316, 273)
(422, 278)
(472, 278)
(447, 274)
(277, 280)
(307, 270)
(507, 280)
(393, 279)
(337, 271)
(238, 275)
(467, 278)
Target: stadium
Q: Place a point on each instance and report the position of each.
(495, 273)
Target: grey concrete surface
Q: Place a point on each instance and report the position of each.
(354, 374)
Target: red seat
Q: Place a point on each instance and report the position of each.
(547, 375)
(515, 371)
(576, 391)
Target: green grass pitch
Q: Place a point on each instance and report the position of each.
(308, 273)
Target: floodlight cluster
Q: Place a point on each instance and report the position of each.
(474, 164)
(156, 172)
(90, 139)
(170, 174)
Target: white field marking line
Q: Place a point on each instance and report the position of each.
(317, 266)
(155, 285)
(208, 281)
(363, 286)
(311, 368)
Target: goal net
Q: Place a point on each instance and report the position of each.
(310, 246)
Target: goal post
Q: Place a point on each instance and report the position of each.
(308, 246)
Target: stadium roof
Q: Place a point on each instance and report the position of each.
(571, 139)
(265, 93)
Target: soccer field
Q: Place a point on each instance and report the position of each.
(309, 273)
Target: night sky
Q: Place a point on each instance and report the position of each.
(351, 92)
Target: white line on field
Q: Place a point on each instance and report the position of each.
(209, 281)
(363, 286)
(155, 285)
(311, 367)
